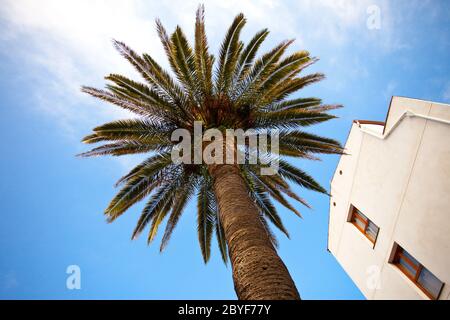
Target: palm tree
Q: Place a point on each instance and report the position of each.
(233, 200)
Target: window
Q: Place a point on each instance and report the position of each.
(367, 227)
(418, 274)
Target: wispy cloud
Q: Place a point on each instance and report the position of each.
(61, 45)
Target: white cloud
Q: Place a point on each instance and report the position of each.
(70, 41)
(60, 45)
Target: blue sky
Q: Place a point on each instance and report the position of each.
(52, 203)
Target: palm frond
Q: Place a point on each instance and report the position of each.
(184, 60)
(138, 187)
(298, 176)
(272, 237)
(279, 183)
(281, 75)
(203, 60)
(180, 200)
(248, 55)
(93, 138)
(309, 143)
(149, 167)
(165, 84)
(301, 144)
(167, 44)
(206, 217)
(139, 130)
(288, 119)
(283, 90)
(119, 149)
(131, 193)
(135, 91)
(139, 108)
(275, 193)
(299, 103)
(262, 200)
(159, 202)
(221, 241)
(246, 88)
(151, 72)
(229, 54)
(158, 218)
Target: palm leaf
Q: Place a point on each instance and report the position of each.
(141, 130)
(138, 187)
(158, 202)
(184, 61)
(262, 201)
(288, 119)
(180, 200)
(150, 167)
(298, 176)
(288, 87)
(137, 107)
(206, 217)
(119, 149)
(220, 235)
(247, 88)
(299, 103)
(248, 54)
(229, 54)
(203, 60)
(136, 91)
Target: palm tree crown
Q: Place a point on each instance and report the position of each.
(242, 91)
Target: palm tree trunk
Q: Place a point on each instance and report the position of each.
(258, 271)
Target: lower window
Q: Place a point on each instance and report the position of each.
(421, 276)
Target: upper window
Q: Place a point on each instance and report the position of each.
(415, 271)
(367, 227)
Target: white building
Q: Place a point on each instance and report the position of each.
(389, 222)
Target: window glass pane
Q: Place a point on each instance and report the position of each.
(410, 258)
(360, 223)
(432, 284)
(372, 231)
(360, 214)
(407, 267)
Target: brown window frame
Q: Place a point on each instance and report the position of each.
(418, 269)
(358, 215)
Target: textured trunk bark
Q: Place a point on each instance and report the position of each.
(258, 271)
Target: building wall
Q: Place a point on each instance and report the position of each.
(402, 184)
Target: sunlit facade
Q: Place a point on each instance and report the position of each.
(389, 223)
